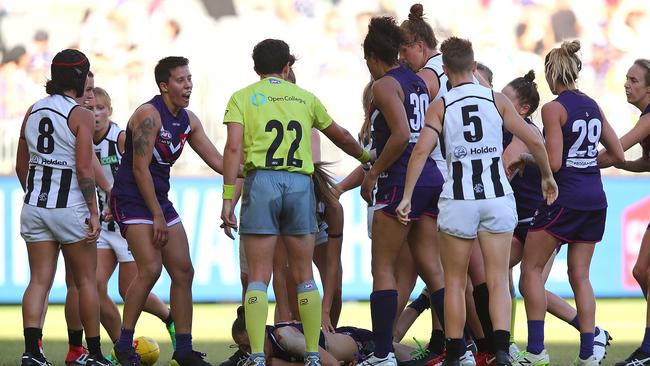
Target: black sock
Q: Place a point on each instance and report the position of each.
(32, 335)
(481, 345)
(455, 348)
(437, 341)
(438, 303)
(94, 346)
(75, 337)
(501, 340)
(383, 307)
(168, 320)
(482, 302)
(420, 304)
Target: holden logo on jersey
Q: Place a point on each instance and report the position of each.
(460, 152)
(478, 188)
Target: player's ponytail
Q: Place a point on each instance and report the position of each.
(366, 100)
(563, 64)
(323, 184)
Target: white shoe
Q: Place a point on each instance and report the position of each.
(513, 351)
(525, 358)
(373, 360)
(590, 361)
(467, 359)
(601, 341)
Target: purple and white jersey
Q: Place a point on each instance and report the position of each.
(578, 179)
(167, 149)
(416, 102)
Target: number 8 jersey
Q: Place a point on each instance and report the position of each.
(52, 177)
(578, 179)
(473, 136)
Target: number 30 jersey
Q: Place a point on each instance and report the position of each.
(416, 102)
(578, 179)
(52, 177)
(472, 130)
(277, 117)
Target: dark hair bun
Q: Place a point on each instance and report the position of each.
(530, 76)
(416, 12)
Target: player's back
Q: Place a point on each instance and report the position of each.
(472, 130)
(277, 117)
(578, 178)
(51, 179)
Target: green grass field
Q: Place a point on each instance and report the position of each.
(624, 319)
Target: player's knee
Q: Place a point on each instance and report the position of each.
(149, 273)
(577, 277)
(102, 288)
(183, 275)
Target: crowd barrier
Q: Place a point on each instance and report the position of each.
(216, 259)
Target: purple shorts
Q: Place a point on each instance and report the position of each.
(570, 225)
(423, 202)
(129, 211)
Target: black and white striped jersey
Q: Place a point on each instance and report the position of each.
(472, 130)
(52, 177)
(109, 156)
(435, 64)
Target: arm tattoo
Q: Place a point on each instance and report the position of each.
(87, 186)
(141, 135)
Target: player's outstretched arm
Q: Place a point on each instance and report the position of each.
(200, 143)
(639, 132)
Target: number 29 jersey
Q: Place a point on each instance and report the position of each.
(472, 130)
(578, 179)
(277, 117)
(52, 177)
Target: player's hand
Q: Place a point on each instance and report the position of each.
(549, 189)
(403, 210)
(326, 322)
(240, 173)
(94, 227)
(228, 218)
(160, 231)
(107, 215)
(516, 166)
(367, 186)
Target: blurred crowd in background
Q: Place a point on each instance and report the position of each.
(125, 38)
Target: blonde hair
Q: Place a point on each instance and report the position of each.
(645, 64)
(366, 99)
(563, 64)
(100, 92)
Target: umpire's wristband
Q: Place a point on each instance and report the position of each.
(228, 191)
(365, 157)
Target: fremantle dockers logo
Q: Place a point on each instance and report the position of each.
(460, 152)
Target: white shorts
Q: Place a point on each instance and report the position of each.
(465, 218)
(114, 241)
(63, 225)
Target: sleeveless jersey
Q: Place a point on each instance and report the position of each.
(108, 153)
(277, 117)
(416, 102)
(578, 179)
(168, 147)
(435, 64)
(527, 187)
(52, 178)
(645, 143)
(473, 133)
